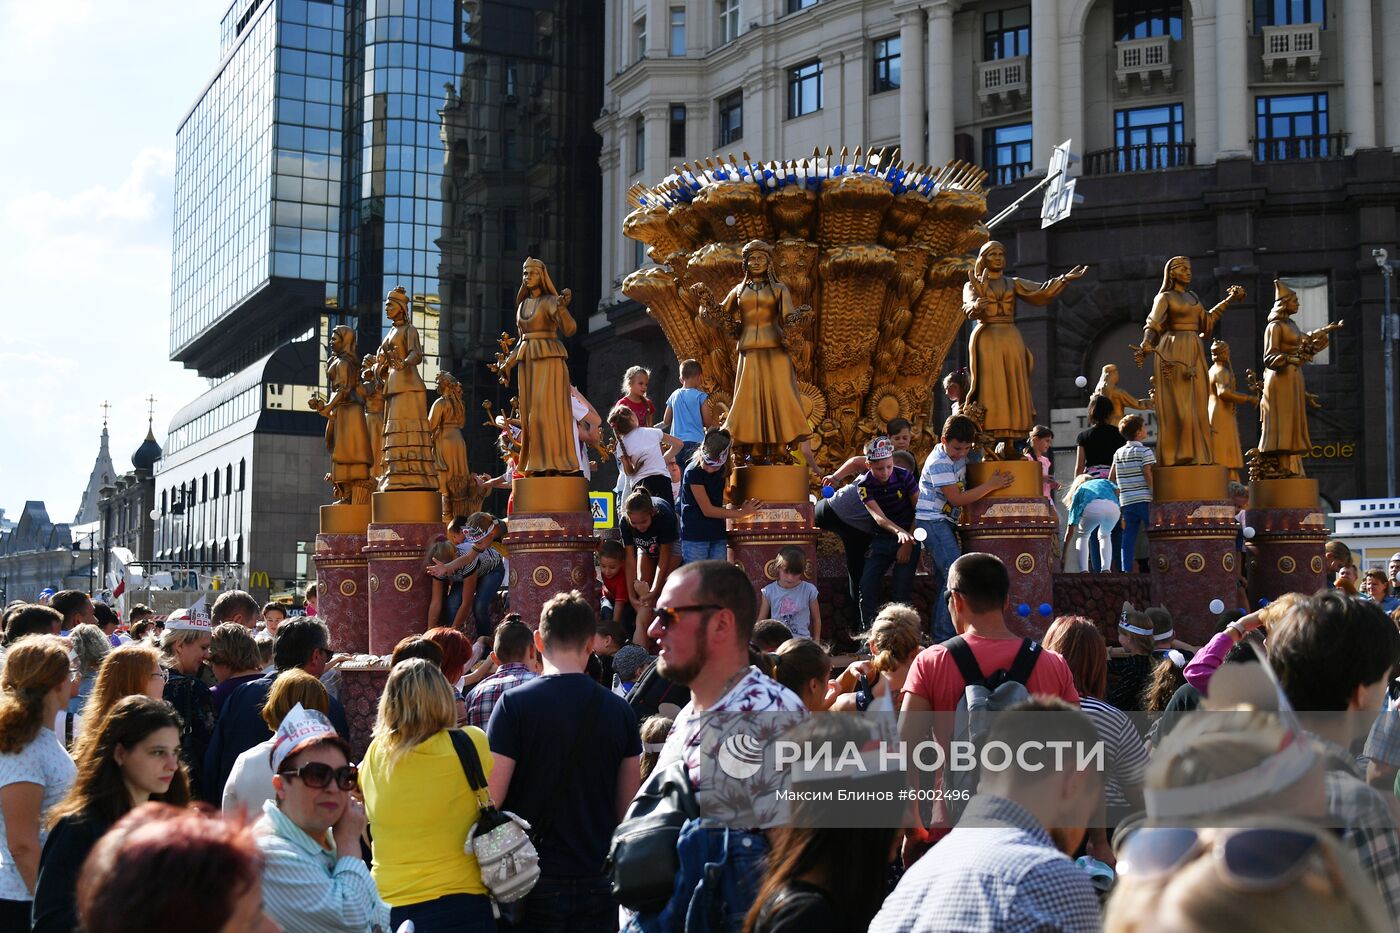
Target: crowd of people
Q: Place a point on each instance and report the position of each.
(246, 808)
(198, 771)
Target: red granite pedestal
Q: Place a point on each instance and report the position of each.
(786, 521)
(404, 523)
(1018, 525)
(361, 683)
(1290, 533)
(551, 543)
(342, 576)
(1193, 532)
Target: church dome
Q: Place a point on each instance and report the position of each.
(148, 453)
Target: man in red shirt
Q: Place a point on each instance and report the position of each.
(979, 590)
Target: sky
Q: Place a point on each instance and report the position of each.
(91, 93)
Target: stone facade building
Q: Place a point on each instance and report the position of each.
(1235, 133)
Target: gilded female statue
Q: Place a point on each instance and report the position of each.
(347, 437)
(1120, 398)
(548, 444)
(765, 417)
(1283, 407)
(445, 420)
(1000, 363)
(373, 391)
(1180, 380)
(1224, 429)
(408, 450)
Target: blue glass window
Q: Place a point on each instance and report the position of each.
(1149, 138)
(1293, 126)
(1006, 152)
(804, 89)
(1143, 19)
(1006, 33)
(886, 55)
(1289, 12)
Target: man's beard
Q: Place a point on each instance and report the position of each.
(685, 676)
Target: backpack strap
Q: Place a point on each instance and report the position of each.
(1024, 662)
(966, 661)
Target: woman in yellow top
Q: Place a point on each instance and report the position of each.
(420, 807)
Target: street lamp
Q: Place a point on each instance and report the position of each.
(92, 559)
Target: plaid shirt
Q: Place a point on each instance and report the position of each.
(1004, 874)
(1383, 744)
(1367, 827)
(482, 700)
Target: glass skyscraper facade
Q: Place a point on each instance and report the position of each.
(345, 147)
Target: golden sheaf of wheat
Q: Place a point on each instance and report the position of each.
(883, 272)
(852, 210)
(655, 288)
(737, 200)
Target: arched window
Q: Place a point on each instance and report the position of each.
(242, 474)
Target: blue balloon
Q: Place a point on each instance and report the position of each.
(1046, 609)
(1023, 610)
(1263, 603)
(828, 491)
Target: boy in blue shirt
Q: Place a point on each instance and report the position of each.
(889, 493)
(942, 494)
(687, 414)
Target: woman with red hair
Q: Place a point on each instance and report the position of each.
(215, 863)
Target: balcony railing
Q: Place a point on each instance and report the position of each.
(1144, 58)
(1290, 45)
(1007, 174)
(1004, 80)
(1290, 148)
(1145, 158)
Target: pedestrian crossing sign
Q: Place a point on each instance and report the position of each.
(601, 505)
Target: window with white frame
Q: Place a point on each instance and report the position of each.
(639, 38)
(728, 20)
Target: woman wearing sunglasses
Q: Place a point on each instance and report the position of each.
(313, 877)
(134, 757)
(1282, 876)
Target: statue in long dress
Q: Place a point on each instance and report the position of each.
(1000, 363)
(1283, 406)
(1180, 379)
(460, 490)
(373, 391)
(408, 445)
(1224, 396)
(1120, 398)
(347, 437)
(549, 444)
(765, 416)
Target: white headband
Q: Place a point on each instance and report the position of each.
(1135, 629)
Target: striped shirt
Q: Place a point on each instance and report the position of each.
(307, 889)
(940, 470)
(1128, 462)
(1125, 755)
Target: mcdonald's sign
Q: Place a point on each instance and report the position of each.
(258, 578)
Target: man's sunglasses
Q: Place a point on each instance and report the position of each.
(318, 775)
(1250, 859)
(667, 615)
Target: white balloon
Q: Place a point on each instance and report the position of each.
(731, 220)
(1081, 381)
(1217, 606)
(920, 534)
(1248, 531)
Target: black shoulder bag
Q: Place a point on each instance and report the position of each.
(643, 863)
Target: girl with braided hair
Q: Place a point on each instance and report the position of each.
(39, 679)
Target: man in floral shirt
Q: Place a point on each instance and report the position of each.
(704, 617)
